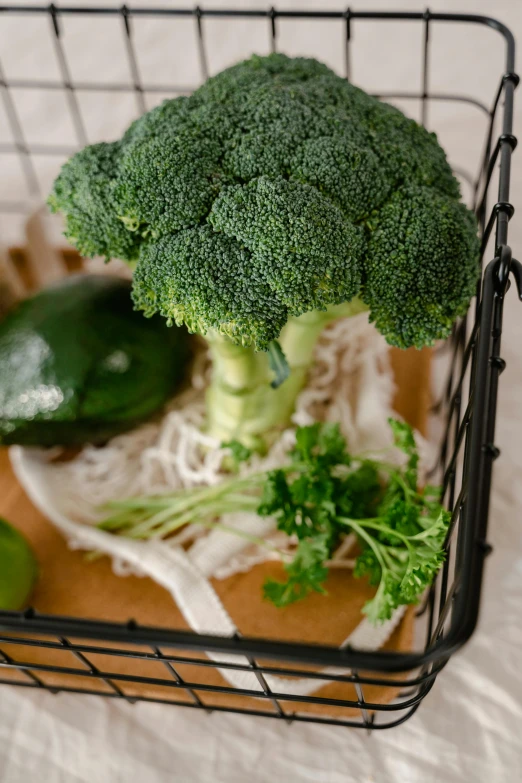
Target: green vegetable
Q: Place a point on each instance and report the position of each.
(278, 364)
(322, 494)
(275, 199)
(18, 568)
(306, 572)
(77, 364)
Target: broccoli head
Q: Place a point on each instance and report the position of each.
(276, 189)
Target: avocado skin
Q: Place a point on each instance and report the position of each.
(78, 364)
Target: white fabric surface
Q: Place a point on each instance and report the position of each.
(468, 728)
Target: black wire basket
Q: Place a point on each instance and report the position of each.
(466, 455)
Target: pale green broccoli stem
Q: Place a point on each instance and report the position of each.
(241, 404)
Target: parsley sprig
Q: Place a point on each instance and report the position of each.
(320, 496)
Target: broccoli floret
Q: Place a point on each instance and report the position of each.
(301, 244)
(169, 172)
(218, 297)
(407, 152)
(274, 193)
(158, 120)
(421, 266)
(84, 192)
(273, 122)
(348, 174)
(165, 183)
(232, 85)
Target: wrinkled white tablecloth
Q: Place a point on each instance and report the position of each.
(469, 727)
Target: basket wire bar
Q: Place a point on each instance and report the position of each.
(466, 453)
(67, 83)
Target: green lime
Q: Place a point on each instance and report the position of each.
(18, 568)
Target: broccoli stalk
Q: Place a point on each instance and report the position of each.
(258, 208)
(242, 403)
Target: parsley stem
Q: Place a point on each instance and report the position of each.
(375, 524)
(243, 534)
(368, 538)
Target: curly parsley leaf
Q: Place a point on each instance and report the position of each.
(404, 440)
(327, 492)
(238, 452)
(306, 573)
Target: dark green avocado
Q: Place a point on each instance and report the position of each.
(78, 364)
